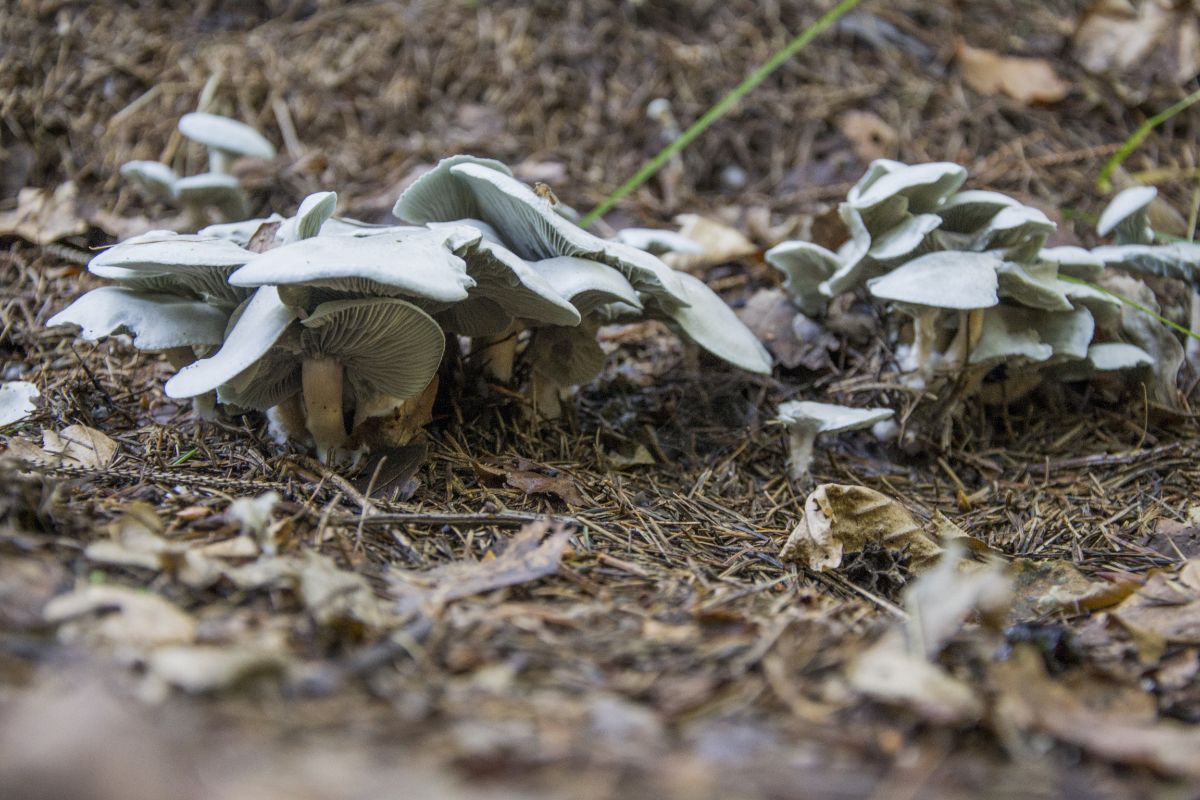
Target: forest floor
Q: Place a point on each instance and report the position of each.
(597, 607)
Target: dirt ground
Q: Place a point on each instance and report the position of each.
(668, 652)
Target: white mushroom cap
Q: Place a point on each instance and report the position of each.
(806, 266)
(259, 326)
(1073, 261)
(905, 240)
(924, 186)
(155, 321)
(855, 266)
(1105, 309)
(212, 189)
(1032, 285)
(154, 178)
(527, 223)
(967, 212)
(1180, 261)
(1014, 227)
(169, 262)
(416, 263)
(17, 401)
(658, 242)
(713, 325)
(586, 284)
(565, 356)
(511, 283)
(1113, 356)
(828, 417)
(1069, 333)
(1128, 215)
(942, 280)
(1009, 335)
(225, 135)
(312, 214)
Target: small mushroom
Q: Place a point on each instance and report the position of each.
(18, 399)
(154, 179)
(916, 189)
(805, 420)
(186, 264)
(925, 286)
(1116, 356)
(1075, 262)
(1019, 230)
(967, 212)
(157, 322)
(313, 213)
(1127, 215)
(197, 193)
(1032, 285)
(225, 139)
(806, 266)
(561, 358)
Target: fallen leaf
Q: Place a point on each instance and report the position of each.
(869, 135)
(843, 519)
(720, 243)
(637, 456)
(1167, 607)
(43, 217)
(117, 615)
(1153, 42)
(1176, 540)
(889, 673)
(794, 339)
(79, 445)
(534, 552)
(942, 599)
(207, 668)
(263, 238)
(1052, 586)
(1030, 701)
(335, 596)
(1026, 80)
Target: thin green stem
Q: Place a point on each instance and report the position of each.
(1175, 326)
(1136, 138)
(723, 105)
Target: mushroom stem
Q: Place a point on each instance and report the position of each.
(924, 341)
(496, 353)
(179, 357)
(218, 161)
(801, 440)
(285, 422)
(321, 378)
(547, 403)
(1192, 349)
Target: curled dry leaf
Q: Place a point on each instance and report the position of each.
(793, 339)
(43, 217)
(534, 552)
(869, 135)
(842, 519)
(889, 673)
(1144, 42)
(1026, 80)
(1165, 610)
(1049, 587)
(119, 616)
(720, 242)
(79, 445)
(207, 668)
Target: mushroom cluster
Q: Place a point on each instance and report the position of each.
(987, 299)
(215, 190)
(337, 328)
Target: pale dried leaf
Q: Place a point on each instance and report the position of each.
(206, 668)
(720, 243)
(1045, 587)
(79, 445)
(1150, 43)
(1026, 80)
(336, 596)
(43, 217)
(942, 599)
(869, 135)
(889, 673)
(116, 615)
(842, 519)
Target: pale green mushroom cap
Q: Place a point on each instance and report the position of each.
(905, 240)
(1127, 214)
(1016, 228)
(165, 261)
(415, 263)
(1114, 356)
(1009, 334)
(587, 284)
(225, 135)
(155, 321)
(828, 417)
(950, 280)
(658, 242)
(1105, 309)
(154, 178)
(565, 356)
(1180, 261)
(805, 266)
(212, 189)
(18, 400)
(527, 223)
(924, 186)
(312, 214)
(522, 292)
(1032, 285)
(967, 212)
(1073, 261)
(713, 325)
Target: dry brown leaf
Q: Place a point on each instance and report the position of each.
(1167, 607)
(842, 519)
(561, 486)
(721, 243)
(79, 445)
(335, 596)
(1026, 80)
(534, 552)
(869, 135)
(1029, 701)
(116, 615)
(1049, 587)
(794, 339)
(207, 668)
(889, 673)
(637, 456)
(1155, 41)
(43, 217)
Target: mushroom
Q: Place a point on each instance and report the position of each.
(560, 358)
(212, 189)
(225, 139)
(806, 266)
(361, 348)
(1019, 230)
(313, 212)
(1104, 308)
(658, 242)
(17, 401)
(1032, 285)
(805, 420)
(927, 285)
(187, 264)
(918, 189)
(908, 238)
(967, 212)
(1075, 262)
(155, 179)
(1127, 214)
(1114, 356)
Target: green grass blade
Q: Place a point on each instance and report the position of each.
(1175, 326)
(1136, 138)
(722, 106)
